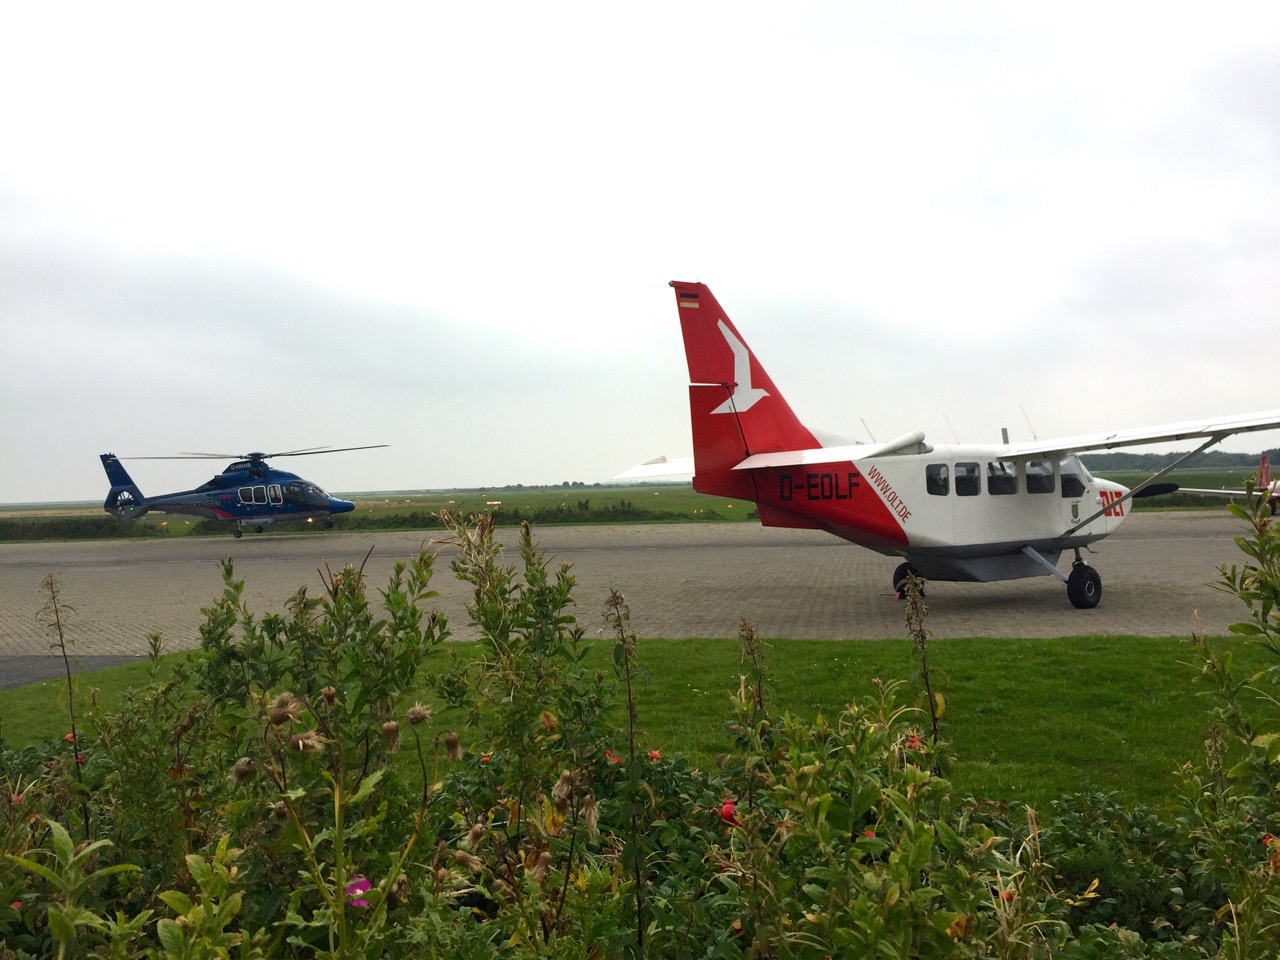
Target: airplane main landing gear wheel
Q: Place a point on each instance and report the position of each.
(900, 576)
(1084, 587)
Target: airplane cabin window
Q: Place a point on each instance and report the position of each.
(1072, 485)
(937, 479)
(1039, 476)
(968, 480)
(1002, 477)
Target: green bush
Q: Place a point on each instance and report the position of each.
(288, 794)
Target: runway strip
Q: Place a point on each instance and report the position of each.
(680, 580)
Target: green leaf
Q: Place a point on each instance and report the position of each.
(171, 938)
(367, 785)
(178, 901)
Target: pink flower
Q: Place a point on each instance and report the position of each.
(79, 758)
(17, 904)
(17, 799)
(357, 886)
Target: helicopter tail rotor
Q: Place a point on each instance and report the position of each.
(124, 500)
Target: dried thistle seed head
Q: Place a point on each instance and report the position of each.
(452, 746)
(285, 709)
(475, 834)
(469, 860)
(548, 720)
(541, 865)
(563, 791)
(591, 813)
(242, 770)
(419, 713)
(391, 735)
(280, 810)
(399, 892)
(308, 742)
(330, 696)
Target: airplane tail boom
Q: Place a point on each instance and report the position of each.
(735, 408)
(124, 500)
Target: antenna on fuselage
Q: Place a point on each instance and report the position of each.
(868, 429)
(951, 428)
(1029, 426)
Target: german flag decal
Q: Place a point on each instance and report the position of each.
(687, 299)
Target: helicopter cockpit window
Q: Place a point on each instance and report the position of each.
(1002, 477)
(1039, 476)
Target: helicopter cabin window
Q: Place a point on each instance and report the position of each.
(274, 494)
(937, 479)
(1039, 476)
(1002, 477)
(968, 480)
(253, 494)
(1072, 482)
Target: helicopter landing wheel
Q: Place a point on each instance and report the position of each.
(900, 576)
(1084, 587)
(259, 528)
(239, 533)
(328, 524)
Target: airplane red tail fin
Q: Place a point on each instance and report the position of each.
(735, 409)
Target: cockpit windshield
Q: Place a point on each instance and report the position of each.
(302, 492)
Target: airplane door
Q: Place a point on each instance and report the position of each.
(1080, 496)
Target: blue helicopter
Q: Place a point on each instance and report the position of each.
(249, 491)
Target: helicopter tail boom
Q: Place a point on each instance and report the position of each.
(124, 500)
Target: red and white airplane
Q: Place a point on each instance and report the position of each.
(969, 512)
(1264, 486)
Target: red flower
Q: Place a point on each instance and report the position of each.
(70, 738)
(913, 742)
(79, 758)
(654, 755)
(17, 799)
(1267, 839)
(868, 833)
(484, 758)
(727, 812)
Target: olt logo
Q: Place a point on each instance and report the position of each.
(1111, 496)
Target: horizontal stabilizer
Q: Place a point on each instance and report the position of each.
(907, 443)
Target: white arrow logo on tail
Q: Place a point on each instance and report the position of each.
(744, 395)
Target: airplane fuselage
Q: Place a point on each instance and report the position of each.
(954, 512)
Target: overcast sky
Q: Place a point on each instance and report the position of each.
(241, 227)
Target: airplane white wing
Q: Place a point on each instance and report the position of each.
(674, 467)
(1215, 427)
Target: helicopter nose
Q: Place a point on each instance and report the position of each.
(340, 506)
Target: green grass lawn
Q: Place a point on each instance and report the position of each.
(1030, 720)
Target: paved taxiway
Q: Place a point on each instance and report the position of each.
(680, 580)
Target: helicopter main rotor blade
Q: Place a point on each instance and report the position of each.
(314, 450)
(304, 452)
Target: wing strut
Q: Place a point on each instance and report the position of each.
(1145, 483)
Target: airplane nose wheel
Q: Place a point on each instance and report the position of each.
(900, 576)
(1084, 586)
